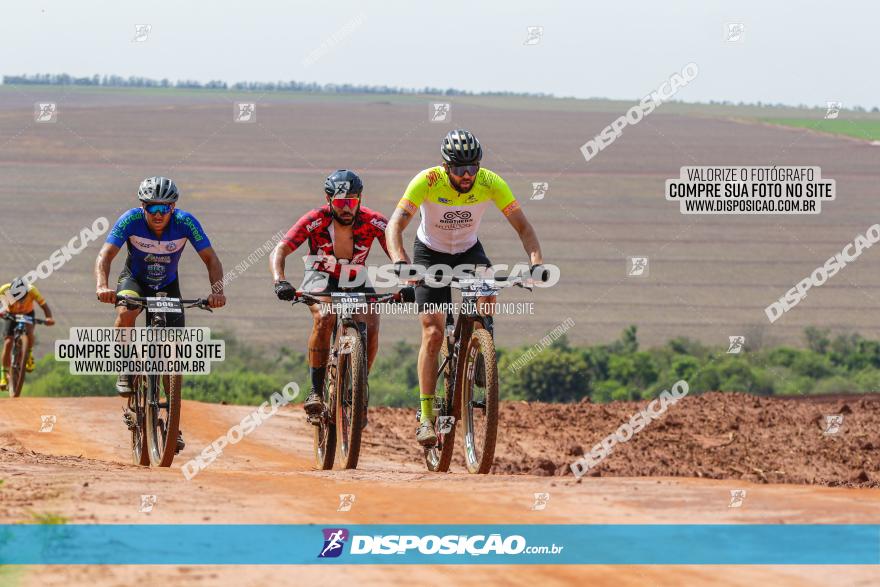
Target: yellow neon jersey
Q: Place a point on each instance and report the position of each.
(23, 306)
(450, 220)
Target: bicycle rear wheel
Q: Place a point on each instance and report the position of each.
(17, 371)
(351, 389)
(140, 455)
(439, 457)
(163, 418)
(480, 402)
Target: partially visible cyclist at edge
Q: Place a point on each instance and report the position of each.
(155, 235)
(340, 234)
(23, 305)
(452, 199)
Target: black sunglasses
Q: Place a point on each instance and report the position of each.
(462, 169)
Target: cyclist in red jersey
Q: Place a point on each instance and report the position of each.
(340, 235)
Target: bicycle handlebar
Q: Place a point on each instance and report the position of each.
(12, 318)
(406, 294)
(136, 301)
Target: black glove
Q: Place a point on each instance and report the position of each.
(540, 273)
(284, 290)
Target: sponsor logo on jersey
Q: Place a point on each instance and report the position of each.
(433, 177)
(313, 224)
(455, 219)
(151, 258)
(197, 235)
(444, 200)
(378, 223)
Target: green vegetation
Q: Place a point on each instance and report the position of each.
(48, 518)
(862, 128)
(558, 373)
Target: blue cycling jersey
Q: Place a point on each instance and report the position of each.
(153, 260)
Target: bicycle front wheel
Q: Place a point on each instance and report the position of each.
(351, 390)
(479, 401)
(163, 417)
(140, 454)
(17, 371)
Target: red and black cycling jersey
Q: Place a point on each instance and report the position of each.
(317, 227)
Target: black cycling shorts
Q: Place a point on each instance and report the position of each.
(425, 256)
(129, 284)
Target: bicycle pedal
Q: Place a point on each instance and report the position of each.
(314, 419)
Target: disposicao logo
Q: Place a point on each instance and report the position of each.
(334, 540)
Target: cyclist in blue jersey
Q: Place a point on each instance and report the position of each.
(155, 235)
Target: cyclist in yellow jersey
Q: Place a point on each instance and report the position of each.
(452, 199)
(16, 297)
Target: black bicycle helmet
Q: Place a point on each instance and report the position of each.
(158, 190)
(343, 182)
(460, 147)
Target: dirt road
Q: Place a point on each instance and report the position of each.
(80, 471)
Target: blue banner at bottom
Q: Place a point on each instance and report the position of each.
(749, 544)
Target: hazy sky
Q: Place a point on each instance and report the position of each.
(792, 52)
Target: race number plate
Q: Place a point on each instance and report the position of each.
(24, 318)
(476, 288)
(164, 305)
(344, 301)
(344, 297)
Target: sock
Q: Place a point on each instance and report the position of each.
(317, 374)
(427, 403)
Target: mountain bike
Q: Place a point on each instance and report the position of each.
(19, 350)
(154, 423)
(346, 392)
(468, 373)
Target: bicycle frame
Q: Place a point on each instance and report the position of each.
(153, 431)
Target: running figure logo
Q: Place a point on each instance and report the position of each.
(832, 110)
(334, 540)
(45, 112)
(440, 112)
(346, 500)
(245, 112)
(446, 423)
(638, 267)
(736, 344)
(147, 503)
(541, 500)
(833, 424)
(534, 34)
(142, 33)
(47, 423)
(735, 32)
(539, 190)
(737, 497)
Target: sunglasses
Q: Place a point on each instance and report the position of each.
(158, 209)
(343, 202)
(462, 169)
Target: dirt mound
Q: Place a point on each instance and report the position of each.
(714, 436)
